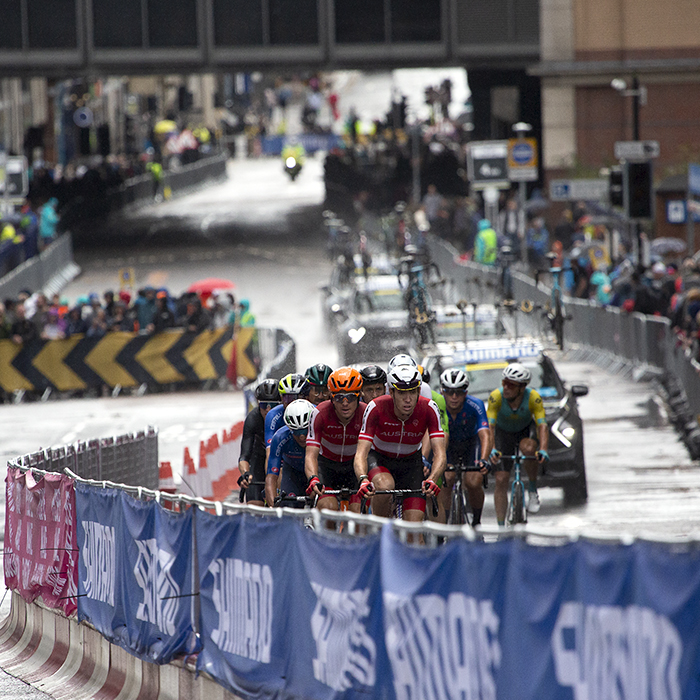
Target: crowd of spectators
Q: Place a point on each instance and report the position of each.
(33, 316)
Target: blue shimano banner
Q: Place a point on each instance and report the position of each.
(442, 618)
(135, 573)
(248, 571)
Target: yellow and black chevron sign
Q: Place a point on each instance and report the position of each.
(130, 359)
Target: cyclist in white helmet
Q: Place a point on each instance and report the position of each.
(516, 418)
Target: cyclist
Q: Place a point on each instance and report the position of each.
(317, 383)
(373, 382)
(251, 463)
(469, 439)
(291, 387)
(516, 418)
(332, 441)
(287, 452)
(389, 446)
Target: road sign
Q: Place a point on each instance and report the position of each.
(636, 150)
(585, 190)
(487, 164)
(16, 178)
(522, 160)
(675, 211)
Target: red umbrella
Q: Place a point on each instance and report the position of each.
(206, 286)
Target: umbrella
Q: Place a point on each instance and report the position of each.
(206, 287)
(165, 126)
(668, 246)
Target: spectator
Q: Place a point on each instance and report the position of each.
(5, 324)
(197, 319)
(486, 246)
(537, 243)
(564, 230)
(23, 330)
(29, 224)
(246, 318)
(145, 306)
(55, 327)
(75, 324)
(121, 319)
(434, 208)
(108, 297)
(98, 324)
(48, 221)
(508, 226)
(163, 318)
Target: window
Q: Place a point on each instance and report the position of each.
(11, 25)
(359, 21)
(293, 22)
(172, 23)
(238, 23)
(52, 24)
(117, 24)
(415, 20)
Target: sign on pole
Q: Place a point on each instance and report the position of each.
(522, 160)
(487, 164)
(636, 150)
(16, 178)
(585, 190)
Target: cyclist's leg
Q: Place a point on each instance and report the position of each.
(505, 442)
(474, 483)
(444, 496)
(255, 494)
(382, 480)
(408, 474)
(338, 475)
(293, 484)
(528, 446)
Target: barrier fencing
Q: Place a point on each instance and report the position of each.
(644, 342)
(271, 608)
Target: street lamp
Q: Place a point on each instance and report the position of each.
(521, 130)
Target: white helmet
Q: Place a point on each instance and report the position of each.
(402, 359)
(404, 378)
(515, 372)
(454, 379)
(297, 415)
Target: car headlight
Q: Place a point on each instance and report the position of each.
(563, 431)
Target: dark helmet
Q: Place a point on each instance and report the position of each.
(317, 375)
(267, 390)
(373, 374)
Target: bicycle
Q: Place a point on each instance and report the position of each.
(241, 492)
(397, 497)
(517, 508)
(420, 314)
(342, 495)
(555, 311)
(460, 508)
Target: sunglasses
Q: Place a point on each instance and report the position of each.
(268, 404)
(513, 385)
(300, 431)
(454, 392)
(345, 398)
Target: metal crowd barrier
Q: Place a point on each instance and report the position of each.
(129, 459)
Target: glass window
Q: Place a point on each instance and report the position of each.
(359, 21)
(117, 24)
(172, 23)
(293, 22)
(527, 21)
(415, 20)
(238, 22)
(52, 24)
(11, 25)
(483, 22)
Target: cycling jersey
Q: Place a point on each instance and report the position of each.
(274, 420)
(440, 401)
(394, 438)
(253, 452)
(336, 441)
(503, 416)
(285, 452)
(464, 428)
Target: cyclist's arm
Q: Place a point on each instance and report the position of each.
(311, 461)
(273, 470)
(486, 442)
(360, 461)
(492, 409)
(439, 458)
(247, 442)
(271, 485)
(537, 409)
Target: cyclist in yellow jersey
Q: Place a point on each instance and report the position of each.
(516, 418)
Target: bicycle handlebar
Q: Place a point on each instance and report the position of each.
(243, 489)
(400, 492)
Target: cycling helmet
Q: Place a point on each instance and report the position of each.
(425, 375)
(345, 380)
(402, 359)
(515, 372)
(373, 374)
(454, 379)
(404, 378)
(297, 415)
(267, 390)
(317, 375)
(292, 384)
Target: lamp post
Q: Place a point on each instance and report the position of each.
(521, 129)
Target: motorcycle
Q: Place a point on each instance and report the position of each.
(292, 167)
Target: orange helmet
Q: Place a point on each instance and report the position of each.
(345, 380)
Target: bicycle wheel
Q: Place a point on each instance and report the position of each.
(516, 507)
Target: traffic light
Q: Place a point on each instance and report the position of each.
(616, 196)
(638, 189)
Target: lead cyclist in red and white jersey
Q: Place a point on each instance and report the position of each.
(389, 446)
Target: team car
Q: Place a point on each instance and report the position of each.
(484, 361)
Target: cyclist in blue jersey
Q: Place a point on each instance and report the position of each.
(469, 439)
(288, 452)
(291, 387)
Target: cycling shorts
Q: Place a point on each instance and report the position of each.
(338, 475)
(468, 451)
(407, 473)
(294, 482)
(507, 443)
(257, 471)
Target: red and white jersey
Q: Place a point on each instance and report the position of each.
(394, 438)
(336, 441)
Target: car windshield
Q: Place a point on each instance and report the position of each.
(486, 376)
(379, 300)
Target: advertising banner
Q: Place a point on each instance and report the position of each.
(40, 554)
(135, 573)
